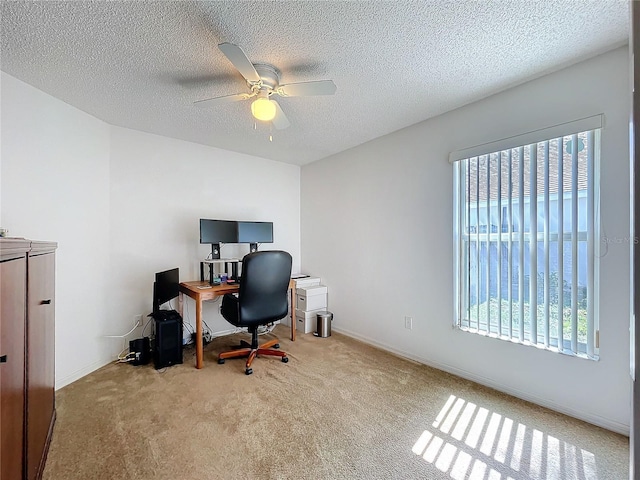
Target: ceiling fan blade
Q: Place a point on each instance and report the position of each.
(236, 56)
(305, 89)
(280, 121)
(210, 102)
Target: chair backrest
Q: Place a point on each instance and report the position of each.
(262, 297)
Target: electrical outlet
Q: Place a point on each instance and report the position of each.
(408, 323)
(137, 320)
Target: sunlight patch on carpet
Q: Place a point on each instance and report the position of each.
(470, 442)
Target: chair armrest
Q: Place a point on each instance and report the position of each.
(229, 308)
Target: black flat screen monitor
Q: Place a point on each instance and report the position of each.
(254, 233)
(218, 231)
(166, 287)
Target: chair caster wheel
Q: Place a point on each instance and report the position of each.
(220, 361)
(285, 359)
(248, 371)
(277, 345)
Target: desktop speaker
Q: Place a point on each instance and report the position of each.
(168, 342)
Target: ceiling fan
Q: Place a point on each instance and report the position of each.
(264, 81)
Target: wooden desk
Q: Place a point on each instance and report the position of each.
(212, 292)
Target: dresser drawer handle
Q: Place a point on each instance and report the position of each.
(45, 302)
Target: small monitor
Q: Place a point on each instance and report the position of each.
(166, 287)
(218, 231)
(255, 232)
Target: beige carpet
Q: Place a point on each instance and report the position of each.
(339, 409)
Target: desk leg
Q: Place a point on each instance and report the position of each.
(180, 303)
(199, 333)
(293, 314)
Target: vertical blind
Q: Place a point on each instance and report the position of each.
(526, 240)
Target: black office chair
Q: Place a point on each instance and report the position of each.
(262, 299)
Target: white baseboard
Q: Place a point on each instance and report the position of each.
(78, 374)
(597, 420)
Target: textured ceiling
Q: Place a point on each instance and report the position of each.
(142, 64)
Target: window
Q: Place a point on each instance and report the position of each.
(526, 238)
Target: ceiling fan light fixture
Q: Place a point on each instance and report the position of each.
(263, 109)
(263, 81)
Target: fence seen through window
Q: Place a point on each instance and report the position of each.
(526, 238)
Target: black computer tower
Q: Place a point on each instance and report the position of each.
(167, 348)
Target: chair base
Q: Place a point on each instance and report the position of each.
(245, 350)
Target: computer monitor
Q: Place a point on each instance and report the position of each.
(254, 233)
(166, 287)
(216, 232)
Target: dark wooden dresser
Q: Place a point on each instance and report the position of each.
(27, 371)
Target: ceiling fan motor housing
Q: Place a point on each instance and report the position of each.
(263, 81)
(269, 76)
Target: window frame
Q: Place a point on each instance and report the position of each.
(461, 236)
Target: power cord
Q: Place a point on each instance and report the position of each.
(145, 325)
(128, 333)
(208, 330)
(122, 359)
(129, 357)
(264, 329)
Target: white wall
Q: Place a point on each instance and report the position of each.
(161, 187)
(55, 186)
(123, 205)
(376, 226)
(382, 241)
